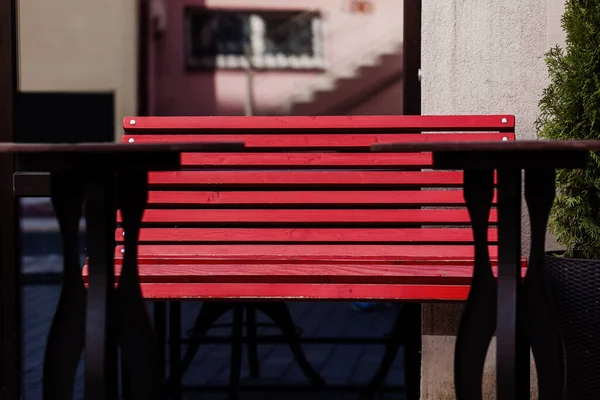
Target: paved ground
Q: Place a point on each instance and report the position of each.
(341, 364)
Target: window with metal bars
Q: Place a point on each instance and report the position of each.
(266, 39)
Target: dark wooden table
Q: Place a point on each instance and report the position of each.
(518, 311)
(96, 179)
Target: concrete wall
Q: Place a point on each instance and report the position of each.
(479, 58)
(179, 91)
(80, 46)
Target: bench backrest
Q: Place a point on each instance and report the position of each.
(314, 202)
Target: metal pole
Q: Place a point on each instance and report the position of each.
(411, 54)
(10, 304)
(249, 80)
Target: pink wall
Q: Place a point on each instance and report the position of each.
(348, 39)
(386, 102)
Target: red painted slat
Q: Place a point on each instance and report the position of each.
(307, 160)
(217, 216)
(306, 252)
(265, 264)
(291, 178)
(355, 198)
(299, 273)
(327, 123)
(314, 140)
(366, 262)
(306, 273)
(302, 235)
(299, 291)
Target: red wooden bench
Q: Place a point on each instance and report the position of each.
(319, 218)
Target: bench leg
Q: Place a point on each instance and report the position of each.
(173, 387)
(207, 316)
(251, 333)
(412, 352)
(280, 315)
(391, 350)
(406, 331)
(235, 367)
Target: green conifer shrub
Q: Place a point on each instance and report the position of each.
(570, 109)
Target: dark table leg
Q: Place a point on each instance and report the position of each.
(545, 338)
(512, 355)
(100, 339)
(139, 351)
(478, 321)
(522, 313)
(66, 337)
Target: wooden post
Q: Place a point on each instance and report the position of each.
(10, 307)
(411, 54)
(143, 43)
(411, 105)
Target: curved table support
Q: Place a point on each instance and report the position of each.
(97, 175)
(478, 321)
(527, 317)
(66, 337)
(139, 351)
(512, 352)
(546, 342)
(100, 344)
(524, 310)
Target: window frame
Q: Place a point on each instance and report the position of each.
(260, 60)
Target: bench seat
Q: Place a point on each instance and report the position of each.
(308, 211)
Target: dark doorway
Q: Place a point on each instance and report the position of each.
(66, 117)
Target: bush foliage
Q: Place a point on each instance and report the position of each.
(570, 109)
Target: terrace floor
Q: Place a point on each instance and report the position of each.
(338, 364)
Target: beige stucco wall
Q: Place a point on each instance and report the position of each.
(556, 35)
(74, 45)
(480, 57)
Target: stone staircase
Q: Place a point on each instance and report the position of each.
(339, 92)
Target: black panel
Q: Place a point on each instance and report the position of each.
(64, 117)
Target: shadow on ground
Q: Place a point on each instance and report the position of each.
(338, 364)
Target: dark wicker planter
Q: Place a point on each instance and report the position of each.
(575, 290)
